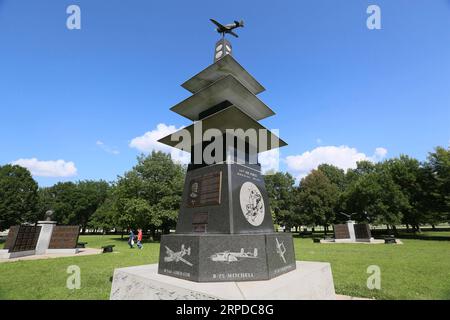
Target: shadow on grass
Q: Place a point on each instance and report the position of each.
(125, 240)
(383, 233)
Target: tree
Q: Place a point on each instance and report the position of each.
(105, 217)
(408, 174)
(338, 178)
(149, 195)
(18, 196)
(376, 194)
(281, 191)
(91, 196)
(317, 199)
(334, 174)
(438, 165)
(362, 168)
(74, 203)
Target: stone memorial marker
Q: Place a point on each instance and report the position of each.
(225, 230)
(224, 242)
(46, 237)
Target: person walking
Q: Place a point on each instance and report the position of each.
(131, 239)
(139, 239)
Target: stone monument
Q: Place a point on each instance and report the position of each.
(351, 232)
(225, 233)
(45, 237)
(225, 230)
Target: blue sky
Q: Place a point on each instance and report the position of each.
(340, 90)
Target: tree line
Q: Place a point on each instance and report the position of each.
(396, 191)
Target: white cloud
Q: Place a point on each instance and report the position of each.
(106, 148)
(342, 157)
(380, 154)
(269, 160)
(52, 168)
(148, 142)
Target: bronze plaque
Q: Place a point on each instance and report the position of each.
(64, 237)
(341, 231)
(26, 238)
(200, 221)
(362, 231)
(200, 217)
(11, 238)
(200, 228)
(205, 190)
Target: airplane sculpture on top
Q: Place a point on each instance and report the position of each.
(228, 28)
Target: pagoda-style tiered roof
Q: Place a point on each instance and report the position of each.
(224, 97)
(223, 67)
(219, 121)
(227, 88)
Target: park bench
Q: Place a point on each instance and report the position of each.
(81, 245)
(305, 233)
(108, 248)
(390, 240)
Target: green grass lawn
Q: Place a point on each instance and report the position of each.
(416, 270)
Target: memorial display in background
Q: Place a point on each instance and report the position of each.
(64, 237)
(362, 231)
(26, 238)
(351, 232)
(341, 231)
(46, 237)
(12, 234)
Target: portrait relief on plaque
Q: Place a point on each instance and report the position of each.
(252, 204)
(205, 190)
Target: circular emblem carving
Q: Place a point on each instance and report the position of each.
(252, 204)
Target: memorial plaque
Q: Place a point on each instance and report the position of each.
(341, 231)
(11, 238)
(26, 239)
(200, 221)
(362, 231)
(64, 237)
(205, 190)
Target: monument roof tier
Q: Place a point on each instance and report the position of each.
(230, 118)
(227, 88)
(223, 67)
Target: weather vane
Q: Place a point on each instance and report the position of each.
(228, 28)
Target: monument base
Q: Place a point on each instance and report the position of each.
(62, 251)
(309, 281)
(5, 254)
(366, 241)
(226, 257)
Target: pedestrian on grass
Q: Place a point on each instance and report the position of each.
(131, 239)
(139, 239)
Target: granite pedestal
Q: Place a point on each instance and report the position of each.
(309, 281)
(44, 236)
(225, 257)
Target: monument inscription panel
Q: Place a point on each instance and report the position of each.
(64, 237)
(341, 231)
(11, 238)
(205, 190)
(362, 231)
(26, 239)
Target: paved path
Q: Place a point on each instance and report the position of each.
(81, 252)
(342, 297)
